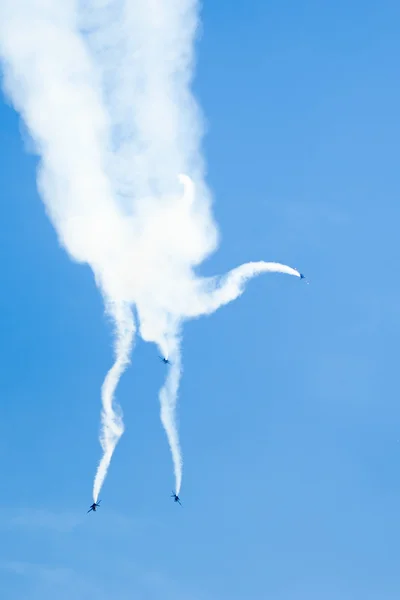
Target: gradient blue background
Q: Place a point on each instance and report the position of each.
(289, 406)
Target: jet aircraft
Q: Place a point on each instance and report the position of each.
(176, 498)
(165, 360)
(94, 506)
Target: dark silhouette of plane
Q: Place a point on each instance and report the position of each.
(94, 506)
(176, 498)
(305, 278)
(165, 360)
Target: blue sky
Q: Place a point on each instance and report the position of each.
(289, 412)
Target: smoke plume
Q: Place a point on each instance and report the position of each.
(104, 88)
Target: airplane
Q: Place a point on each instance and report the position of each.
(305, 278)
(176, 498)
(165, 360)
(94, 506)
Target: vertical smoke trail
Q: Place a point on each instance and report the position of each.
(156, 136)
(168, 400)
(112, 425)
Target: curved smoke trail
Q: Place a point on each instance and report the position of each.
(215, 292)
(104, 89)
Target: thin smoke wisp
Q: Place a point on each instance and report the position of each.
(104, 88)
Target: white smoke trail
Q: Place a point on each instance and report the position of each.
(112, 425)
(52, 81)
(214, 292)
(168, 399)
(104, 89)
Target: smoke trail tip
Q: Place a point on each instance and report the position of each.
(185, 179)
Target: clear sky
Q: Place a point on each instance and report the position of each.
(289, 408)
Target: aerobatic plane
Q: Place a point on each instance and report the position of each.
(94, 506)
(176, 498)
(165, 360)
(305, 278)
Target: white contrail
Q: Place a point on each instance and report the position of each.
(104, 89)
